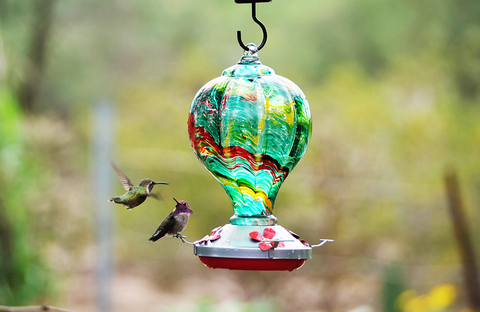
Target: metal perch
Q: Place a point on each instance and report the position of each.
(183, 239)
(323, 242)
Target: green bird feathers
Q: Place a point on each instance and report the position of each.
(135, 195)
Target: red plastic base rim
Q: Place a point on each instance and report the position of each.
(248, 264)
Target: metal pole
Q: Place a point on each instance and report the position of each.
(103, 138)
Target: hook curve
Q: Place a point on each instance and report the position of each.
(264, 31)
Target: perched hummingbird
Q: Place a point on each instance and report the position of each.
(135, 195)
(174, 223)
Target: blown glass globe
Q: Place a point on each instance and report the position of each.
(250, 127)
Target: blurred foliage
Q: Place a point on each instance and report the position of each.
(392, 287)
(22, 274)
(393, 87)
(439, 298)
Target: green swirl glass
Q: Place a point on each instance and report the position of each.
(250, 127)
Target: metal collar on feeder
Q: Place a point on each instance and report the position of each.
(254, 16)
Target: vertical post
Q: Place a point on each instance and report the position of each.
(103, 137)
(463, 236)
(40, 33)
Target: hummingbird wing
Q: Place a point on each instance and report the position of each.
(127, 185)
(156, 195)
(167, 224)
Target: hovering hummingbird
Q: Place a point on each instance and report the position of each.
(135, 195)
(174, 223)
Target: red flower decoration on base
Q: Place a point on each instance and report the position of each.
(298, 237)
(214, 235)
(268, 234)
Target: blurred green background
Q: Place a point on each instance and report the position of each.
(393, 87)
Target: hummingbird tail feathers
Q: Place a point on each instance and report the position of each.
(156, 236)
(153, 238)
(115, 200)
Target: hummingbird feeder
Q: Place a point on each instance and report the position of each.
(250, 127)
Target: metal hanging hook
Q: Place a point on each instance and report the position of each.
(264, 30)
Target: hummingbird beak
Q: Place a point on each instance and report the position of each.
(160, 182)
(176, 200)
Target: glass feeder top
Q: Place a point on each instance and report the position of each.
(248, 66)
(250, 127)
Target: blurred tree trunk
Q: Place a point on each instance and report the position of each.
(42, 19)
(464, 240)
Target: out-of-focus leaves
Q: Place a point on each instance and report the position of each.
(392, 288)
(10, 132)
(22, 274)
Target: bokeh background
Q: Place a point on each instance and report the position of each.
(393, 87)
